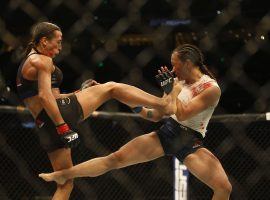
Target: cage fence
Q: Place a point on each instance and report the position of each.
(241, 142)
(126, 41)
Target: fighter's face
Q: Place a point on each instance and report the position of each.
(178, 65)
(53, 46)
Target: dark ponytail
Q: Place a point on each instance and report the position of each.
(39, 30)
(194, 54)
(28, 49)
(205, 70)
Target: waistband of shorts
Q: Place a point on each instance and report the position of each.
(176, 124)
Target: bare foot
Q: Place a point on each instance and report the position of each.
(55, 176)
(170, 99)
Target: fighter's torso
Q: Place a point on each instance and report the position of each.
(200, 121)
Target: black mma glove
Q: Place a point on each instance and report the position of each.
(68, 136)
(165, 80)
(88, 83)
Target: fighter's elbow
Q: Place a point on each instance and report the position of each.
(43, 96)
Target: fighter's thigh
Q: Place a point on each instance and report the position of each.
(206, 167)
(93, 97)
(60, 159)
(141, 149)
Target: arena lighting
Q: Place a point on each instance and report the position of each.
(169, 22)
(100, 34)
(100, 64)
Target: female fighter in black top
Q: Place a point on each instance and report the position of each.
(57, 115)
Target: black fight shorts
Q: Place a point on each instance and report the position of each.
(72, 114)
(178, 140)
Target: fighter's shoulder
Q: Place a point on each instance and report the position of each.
(41, 62)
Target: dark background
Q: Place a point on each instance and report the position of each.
(126, 41)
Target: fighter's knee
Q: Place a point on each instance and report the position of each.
(223, 185)
(115, 87)
(111, 84)
(111, 87)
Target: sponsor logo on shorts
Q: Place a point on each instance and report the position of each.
(183, 127)
(65, 101)
(197, 144)
(39, 123)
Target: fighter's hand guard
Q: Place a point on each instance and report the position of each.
(165, 80)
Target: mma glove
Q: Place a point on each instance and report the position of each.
(68, 136)
(165, 79)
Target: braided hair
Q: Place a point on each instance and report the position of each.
(42, 29)
(194, 54)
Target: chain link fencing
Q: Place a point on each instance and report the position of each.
(126, 41)
(241, 142)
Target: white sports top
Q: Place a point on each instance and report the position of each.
(200, 121)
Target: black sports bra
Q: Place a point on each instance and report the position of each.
(28, 88)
